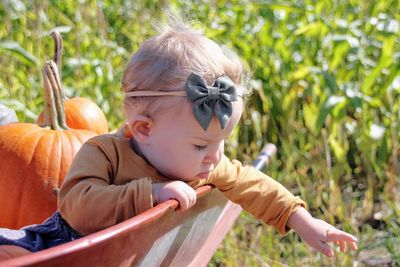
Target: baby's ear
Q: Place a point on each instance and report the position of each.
(140, 128)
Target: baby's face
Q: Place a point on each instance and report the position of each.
(180, 149)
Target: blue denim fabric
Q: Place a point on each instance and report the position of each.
(53, 232)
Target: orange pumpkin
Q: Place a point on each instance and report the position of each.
(80, 113)
(34, 160)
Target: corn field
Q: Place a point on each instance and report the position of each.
(326, 90)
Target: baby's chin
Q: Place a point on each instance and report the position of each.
(193, 178)
(183, 178)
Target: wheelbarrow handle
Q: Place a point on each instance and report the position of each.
(263, 159)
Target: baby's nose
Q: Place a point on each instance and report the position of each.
(213, 157)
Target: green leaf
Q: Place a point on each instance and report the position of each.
(312, 29)
(385, 61)
(301, 72)
(331, 82)
(326, 109)
(310, 112)
(17, 49)
(338, 149)
(279, 5)
(339, 53)
(339, 111)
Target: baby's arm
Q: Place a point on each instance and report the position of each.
(270, 202)
(183, 193)
(317, 233)
(89, 200)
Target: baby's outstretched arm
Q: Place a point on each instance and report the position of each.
(183, 193)
(317, 233)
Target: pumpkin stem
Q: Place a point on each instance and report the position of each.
(50, 109)
(57, 58)
(58, 48)
(58, 92)
(54, 106)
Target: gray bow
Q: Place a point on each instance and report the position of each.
(209, 100)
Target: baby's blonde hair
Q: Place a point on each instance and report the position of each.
(165, 61)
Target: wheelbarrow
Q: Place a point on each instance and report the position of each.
(160, 236)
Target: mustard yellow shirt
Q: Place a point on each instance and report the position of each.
(109, 183)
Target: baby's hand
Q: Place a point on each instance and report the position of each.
(317, 233)
(184, 194)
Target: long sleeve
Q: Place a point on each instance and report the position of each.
(256, 192)
(103, 188)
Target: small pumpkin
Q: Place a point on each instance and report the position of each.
(80, 113)
(34, 160)
(7, 115)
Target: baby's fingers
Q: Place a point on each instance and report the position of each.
(184, 202)
(338, 236)
(353, 245)
(187, 199)
(324, 248)
(342, 239)
(192, 198)
(342, 246)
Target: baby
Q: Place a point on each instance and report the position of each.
(184, 94)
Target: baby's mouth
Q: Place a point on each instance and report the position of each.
(204, 174)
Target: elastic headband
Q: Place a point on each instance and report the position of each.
(206, 100)
(155, 93)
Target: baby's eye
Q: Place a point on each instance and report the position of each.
(200, 148)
